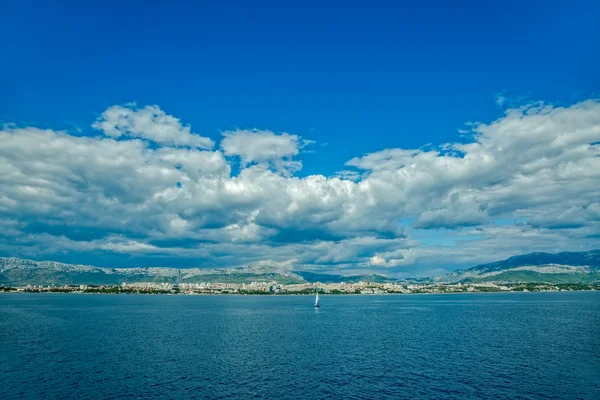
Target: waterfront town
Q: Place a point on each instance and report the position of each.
(273, 288)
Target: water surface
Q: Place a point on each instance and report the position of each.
(512, 345)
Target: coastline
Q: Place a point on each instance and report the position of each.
(285, 294)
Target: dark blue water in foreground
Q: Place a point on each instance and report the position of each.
(530, 345)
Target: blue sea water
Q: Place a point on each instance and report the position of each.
(529, 346)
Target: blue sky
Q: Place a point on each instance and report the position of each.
(354, 77)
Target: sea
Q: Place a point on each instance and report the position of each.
(458, 346)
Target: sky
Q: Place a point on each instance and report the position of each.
(345, 137)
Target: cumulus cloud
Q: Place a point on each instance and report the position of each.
(150, 187)
(259, 146)
(266, 148)
(150, 123)
(516, 165)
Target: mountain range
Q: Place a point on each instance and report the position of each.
(567, 267)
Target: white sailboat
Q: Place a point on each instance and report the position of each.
(317, 300)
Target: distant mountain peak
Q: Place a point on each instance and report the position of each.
(537, 266)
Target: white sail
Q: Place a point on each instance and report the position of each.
(317, 300)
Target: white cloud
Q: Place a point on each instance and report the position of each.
(265, 147)
(349, 175)
(150, 123)
(450, 218)
(389, 159)
(128, 246)
(529, 159)
(259, 146)
(119, 194)
(378, 261)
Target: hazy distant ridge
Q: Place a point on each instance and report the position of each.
(534, 267)
(568, 267)
(16, 271)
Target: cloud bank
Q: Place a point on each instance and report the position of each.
(147, 187)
